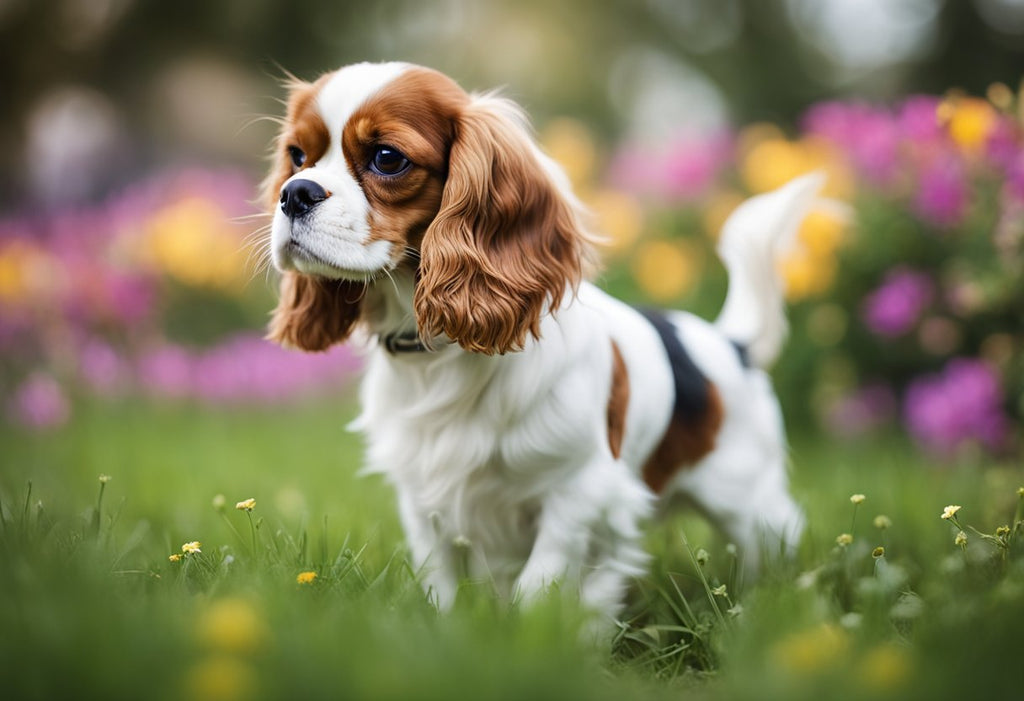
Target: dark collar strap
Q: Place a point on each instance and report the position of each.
(409, 342)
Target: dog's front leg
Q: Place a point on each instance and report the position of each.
(432, 556)
(558, 550)
(588, 536)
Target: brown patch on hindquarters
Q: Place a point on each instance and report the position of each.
(618, 402)
(685, 442)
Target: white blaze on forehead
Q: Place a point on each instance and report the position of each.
(334, 238)
(348, 89)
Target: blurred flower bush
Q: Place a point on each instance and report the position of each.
(147, 294)
(905, 283)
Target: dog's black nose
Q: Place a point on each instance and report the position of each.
(300, 196)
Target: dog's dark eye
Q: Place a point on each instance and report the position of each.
(388, 161)
(297, 155)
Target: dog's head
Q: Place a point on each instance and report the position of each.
(384, 166)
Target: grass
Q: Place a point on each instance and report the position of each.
(91, 606)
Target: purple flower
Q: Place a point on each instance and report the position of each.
(869, 136)
(1013, 188)
(166, 372)
(684, 171)
(40, 403)
(861, 411)
(894, 308)
(962, 404)
(1003, 146)
(102, 369)
(942, 195)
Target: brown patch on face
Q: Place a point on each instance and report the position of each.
(303, 128)
(618, 402)
(414, 114)
(685, 442)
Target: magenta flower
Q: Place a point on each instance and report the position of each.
(942, 195)
(243, 369)
(960, 405)
(918, 121)
(40, 403)
(897, 305)
(869, 136)
(681, 172)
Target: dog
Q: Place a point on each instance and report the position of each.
(530, 423)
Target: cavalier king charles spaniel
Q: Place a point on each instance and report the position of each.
(529, 423)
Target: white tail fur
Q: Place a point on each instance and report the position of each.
(753, 238)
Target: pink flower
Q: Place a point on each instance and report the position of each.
(863, 410)
(40, 403)
(681, 171)
(896, 306)
(102, 369)
(918, 120)
(869, 136)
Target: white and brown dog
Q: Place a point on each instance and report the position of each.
(529, 422)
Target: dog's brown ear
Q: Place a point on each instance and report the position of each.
(507, 242)
(314, 313)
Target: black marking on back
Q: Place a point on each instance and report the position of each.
(691, 386)
(743, 352)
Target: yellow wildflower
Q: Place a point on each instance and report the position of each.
(305, 577)
(878, 552)
(191, 547)
(717, 210)
(806, 275)
(104, 479)
(950, 511)
(176, 557)
(232, 625)
(961, 539)
(571, 144)
(620, 218)
(247, 505)
(193, 240)
(220, 678)
(811, 651)
(844, 539)
(882, 522)
(821, 232)
(219, 502)
(665, 270)
(1000, 95)
(885, 668)
(719, 591)
(1003, 531)
(971, 121)
(857, 499)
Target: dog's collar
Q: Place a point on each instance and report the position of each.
(407, 342)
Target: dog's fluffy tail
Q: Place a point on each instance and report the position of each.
(753, 238)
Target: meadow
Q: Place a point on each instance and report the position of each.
(181, 514)
(100, 600)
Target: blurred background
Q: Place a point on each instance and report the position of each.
(134, 293)
(133, 139)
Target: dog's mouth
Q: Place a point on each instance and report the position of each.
(301, 258)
